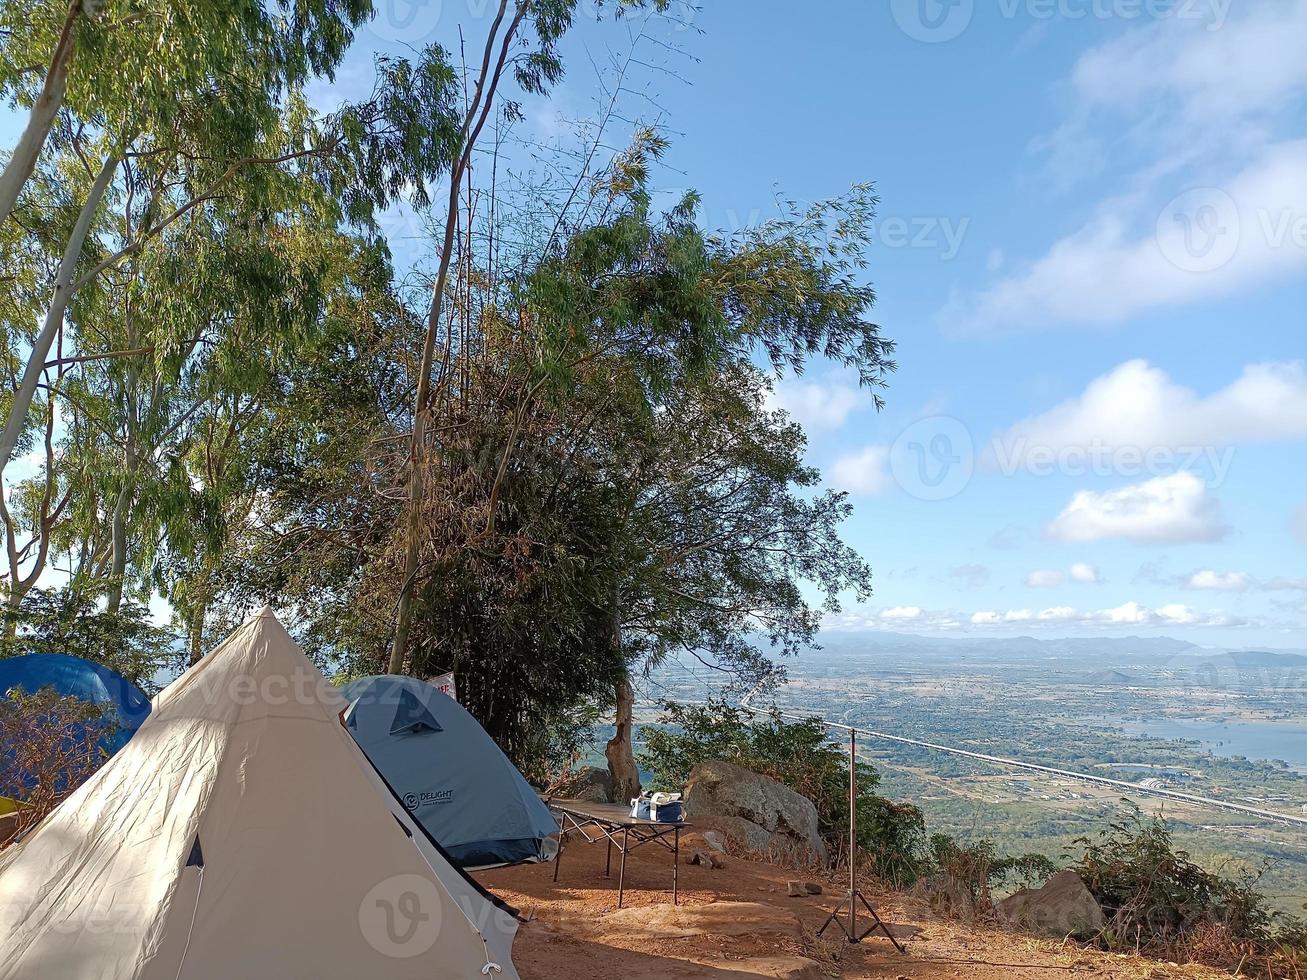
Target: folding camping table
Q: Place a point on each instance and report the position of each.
(597, 821)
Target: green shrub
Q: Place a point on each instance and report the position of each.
(1158, 900)
(973, 870)
(71, 621)
(800, 756)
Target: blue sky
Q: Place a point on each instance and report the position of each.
(1091, 250)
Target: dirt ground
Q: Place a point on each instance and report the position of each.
(738, 922)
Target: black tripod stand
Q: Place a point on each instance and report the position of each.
(850, 928)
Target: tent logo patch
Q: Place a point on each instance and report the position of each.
(415, 801)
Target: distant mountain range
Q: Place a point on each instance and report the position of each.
(1117, 648)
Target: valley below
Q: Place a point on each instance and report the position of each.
(1226, 725)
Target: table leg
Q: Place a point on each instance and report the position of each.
(621, 874)
(558, 858)
(608, 862)
(676, 869)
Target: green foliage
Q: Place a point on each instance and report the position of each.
(798, 755)
(72, 622)
(1154, 894)
(974, 869)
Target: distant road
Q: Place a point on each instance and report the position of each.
(1084, 777)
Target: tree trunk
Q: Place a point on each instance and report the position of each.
(118, 555)
(620, 751)
(54, 318)
(473, 120)
(197, 632)
(41, 118)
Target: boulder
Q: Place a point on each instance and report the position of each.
(759, 813)
(1063, 907)
(590, 784)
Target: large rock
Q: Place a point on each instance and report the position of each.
(590, 784)
(1063, 907)
(760, 814)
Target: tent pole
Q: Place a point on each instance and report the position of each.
(855, 896)
(853, 830)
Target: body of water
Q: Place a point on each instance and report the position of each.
(1285, 741)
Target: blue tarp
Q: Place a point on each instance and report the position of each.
(123, 702)
(449, 773)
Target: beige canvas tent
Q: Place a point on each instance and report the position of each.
(242, 834)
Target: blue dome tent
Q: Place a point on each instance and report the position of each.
(122, 701)
(450, 775)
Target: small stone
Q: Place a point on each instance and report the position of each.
(715, 862)
(716, 840)
(812, 888)
(796, 889)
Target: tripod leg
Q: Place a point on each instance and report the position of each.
(879, 924)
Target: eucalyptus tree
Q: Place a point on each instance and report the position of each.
(198, 99)
(122, 65)
(204, 279)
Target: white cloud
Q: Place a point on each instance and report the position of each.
(1283, 584)
(1173, 509)
(1137, 255)
(1249, 67)
(815, 406)
(1046, 579)
(1218, 581)
(862, 472)
(1298, 524)
(1138, 405)
(1187, 107)
(902, 613)
(1127, 614)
